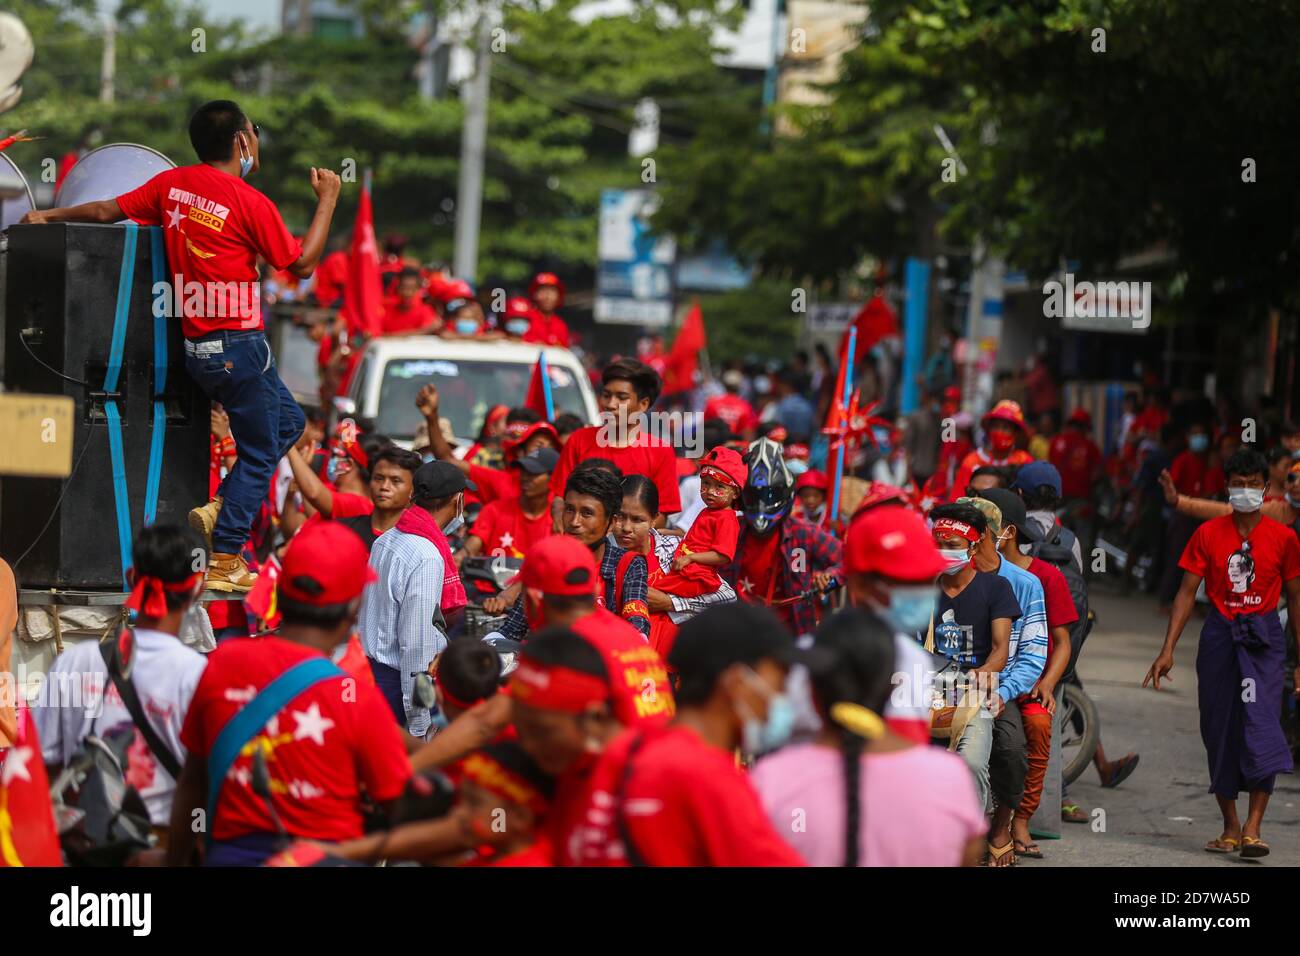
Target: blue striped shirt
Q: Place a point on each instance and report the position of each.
(1027, 652)
(401, 621)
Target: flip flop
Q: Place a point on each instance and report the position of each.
(998, 852)
(1253, 847)
(1073, 813)
(1123, 767)
(1029, 850)
(1222, 845)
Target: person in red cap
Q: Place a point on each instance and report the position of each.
(1077, 457)
(547, 292)
(331, 736)
(519, 317)
(731, 407)
(891, 565)
(525, 432)
(560, 581)
(406, 313)
(1004, 427)
(711, 542)
(75, 699)
(810, 490)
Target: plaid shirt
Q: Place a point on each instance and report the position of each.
(822, 551)
(630, 605)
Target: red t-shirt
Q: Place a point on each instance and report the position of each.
(1243, 577)
(548, 330)
(714, 529)
(321, 748)
(1189, 472)
(349, 505)
(504, 528)
(1060, 613)
(215, 226)
(414, 316)
(732, 409)
(684, 804)
(649, 456)
(1076, 457)
(331, 277)
(494, 483)
(760, 574)
(641, 692)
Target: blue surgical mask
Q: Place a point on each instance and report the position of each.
(1198, 443)
(245, 161)
(332, 468)
(910, 608)
(957, 559)
(466, 326)
(760, 737)
(517, 326)
(454, 525)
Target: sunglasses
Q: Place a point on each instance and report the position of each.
(1292, 477)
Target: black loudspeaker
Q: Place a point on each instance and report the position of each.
(61, 299)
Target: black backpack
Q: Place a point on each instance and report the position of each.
(1057, 549)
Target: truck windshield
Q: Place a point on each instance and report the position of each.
(466, 390)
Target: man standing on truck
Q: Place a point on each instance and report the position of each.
(215, 227)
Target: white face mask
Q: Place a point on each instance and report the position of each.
(957, 559)
(1245, 499)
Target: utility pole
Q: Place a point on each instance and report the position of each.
(473, 146)
(108, 62)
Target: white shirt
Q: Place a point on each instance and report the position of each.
(78, 699)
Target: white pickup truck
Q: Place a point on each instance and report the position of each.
(471, 377)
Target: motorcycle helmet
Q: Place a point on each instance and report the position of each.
(769, 491)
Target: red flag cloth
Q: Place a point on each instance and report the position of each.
(875, 321)
(261, 600)
(536, 399)
(683, 358)
(27, 833)
(363, 293)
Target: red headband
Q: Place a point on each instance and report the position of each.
(148, 598)
(500, 780)
(451, 698)
(717, 474)
(959, 527)
(556, 688)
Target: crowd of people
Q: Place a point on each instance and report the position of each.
(729, 660)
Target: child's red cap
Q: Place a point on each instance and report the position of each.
(725, 464)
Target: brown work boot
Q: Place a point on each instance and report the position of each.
(228, 572)
(204, 519)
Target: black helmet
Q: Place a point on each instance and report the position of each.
(769, 491)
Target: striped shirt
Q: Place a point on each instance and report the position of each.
(401, 622)
(1027, 652)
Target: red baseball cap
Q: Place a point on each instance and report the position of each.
(1080, 416)
(812, 479)
(512, 444)
(892, 541)
(727, 462)
(560, 565)
(325, 563)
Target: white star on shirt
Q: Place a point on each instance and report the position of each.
(311, 724)
(507, 540)
(174, 214)
(746, 585)
(16, 765)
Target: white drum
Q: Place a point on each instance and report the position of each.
(109, 171)
(15, 194)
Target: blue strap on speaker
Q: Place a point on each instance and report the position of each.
(158, 259)
(126, 278)
(253, 716)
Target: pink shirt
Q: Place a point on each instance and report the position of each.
(919, 806)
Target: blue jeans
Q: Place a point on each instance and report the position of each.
(388, 681)
(237, 369)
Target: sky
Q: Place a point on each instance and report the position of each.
(256, 13)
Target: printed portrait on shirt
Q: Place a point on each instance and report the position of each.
(1241, 569)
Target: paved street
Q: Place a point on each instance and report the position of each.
(1162, 815)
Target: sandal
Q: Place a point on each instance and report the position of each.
(1030, 850)
(1253, 848)
(996, 853)
(1073, 813)
(1223, 845)
(1120, 771)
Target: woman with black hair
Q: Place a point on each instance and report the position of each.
(634, 530)
(860, 795)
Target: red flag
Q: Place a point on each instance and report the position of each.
(27, 833)
(539, 397)
(261, 600)
(683, 357)
(363, 294)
